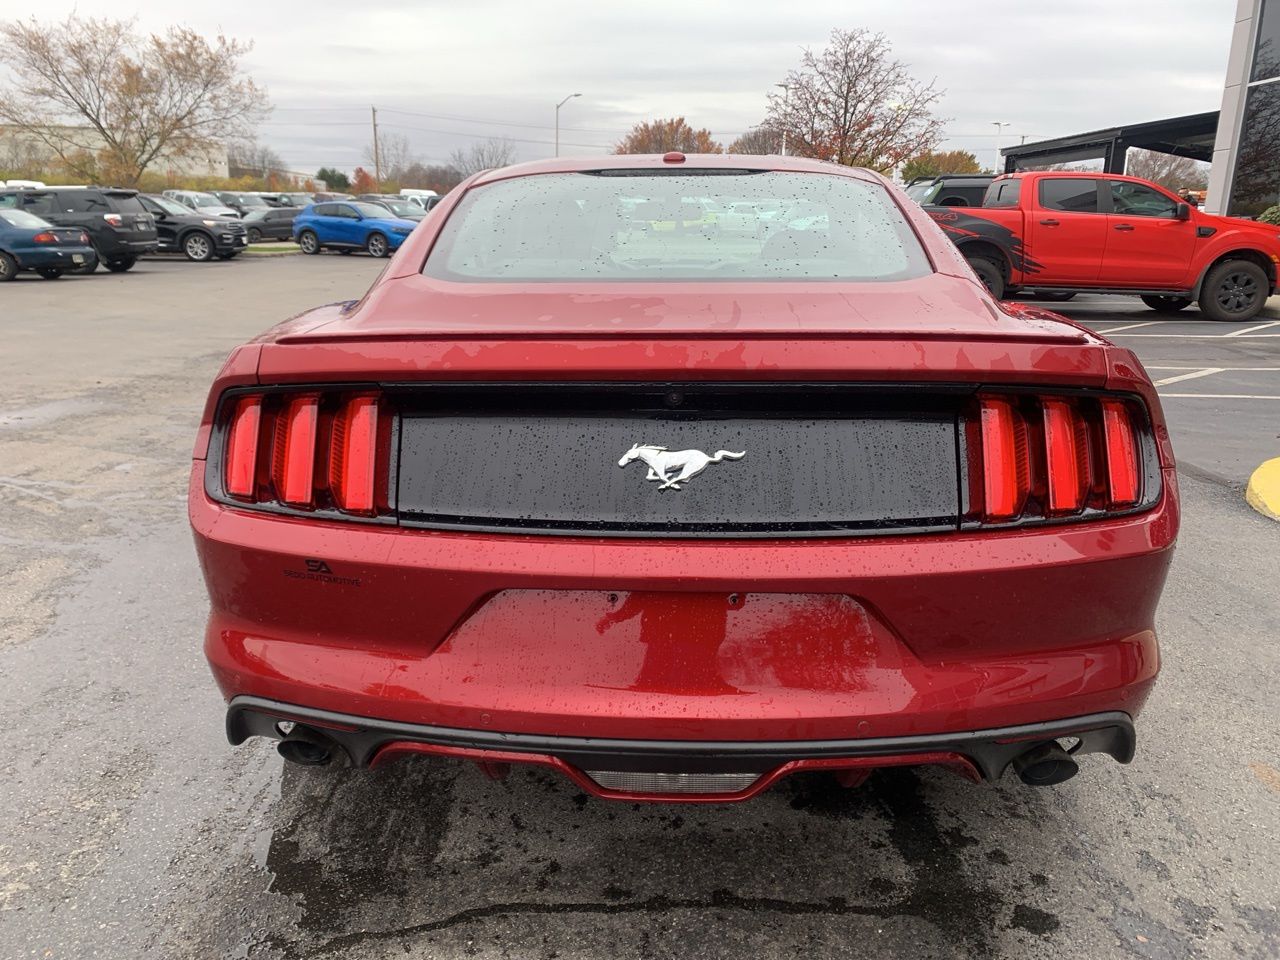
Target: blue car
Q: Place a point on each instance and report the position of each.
(348, 225)
(30, 243)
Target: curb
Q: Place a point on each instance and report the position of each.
(285, 252)
(1263, 492)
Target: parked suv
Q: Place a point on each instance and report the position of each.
(950, 189)
(354, 225)
(241, 203)
(275, 223)
(118, 225)
(201, 202)
(199, 237)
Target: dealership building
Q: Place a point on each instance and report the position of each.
(1242, 140)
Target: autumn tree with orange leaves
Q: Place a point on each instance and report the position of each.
(661, 136)
(854, 104)
(362, 181)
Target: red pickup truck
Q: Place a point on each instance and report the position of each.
(1059, 234)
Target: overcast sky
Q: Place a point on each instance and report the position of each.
(445, 73)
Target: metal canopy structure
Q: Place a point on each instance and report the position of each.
(1191, 136)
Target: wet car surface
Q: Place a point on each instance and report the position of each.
(134, 830)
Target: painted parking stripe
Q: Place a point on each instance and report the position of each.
(1153, 366)
(1248, 330)
(1193, 375)
(1223, 396)
(1201, 336)
(1129, 326)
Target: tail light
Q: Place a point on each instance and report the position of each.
(44, 237)
(1058, 457)
(114, 219)
(322, 452)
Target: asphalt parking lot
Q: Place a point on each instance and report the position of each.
(133, 830)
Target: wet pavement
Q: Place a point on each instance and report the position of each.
(133, 830)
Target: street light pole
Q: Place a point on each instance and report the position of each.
(786, 104)
(558, 106)
(999, 125)
(377, 161)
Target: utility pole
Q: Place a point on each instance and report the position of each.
(377, 163)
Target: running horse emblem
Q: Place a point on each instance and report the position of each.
(674, 467)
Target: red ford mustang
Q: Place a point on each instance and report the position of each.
(679, 475)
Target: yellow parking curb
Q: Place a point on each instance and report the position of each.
(1263, 493)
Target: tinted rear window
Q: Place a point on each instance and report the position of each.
(125, 203)
(694, 225)
(1003, 193)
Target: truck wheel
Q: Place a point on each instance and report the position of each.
(8, 268)
(1167, 304)
(309, 242)
(1235, 290)
(989, 273)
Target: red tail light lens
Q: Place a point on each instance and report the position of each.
(113, 218)
(327, 452)
(1005, 470)
(242, 448)
(293, 458)
(44, 238)
(1066, 443)
(353, 453)
(1055, 457)
(1122, 453)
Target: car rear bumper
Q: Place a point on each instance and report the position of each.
(706, 771)
(60, 257)
(696, 641)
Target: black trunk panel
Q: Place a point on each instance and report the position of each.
(818, 458)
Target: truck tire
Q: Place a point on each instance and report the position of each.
(1167, 304)
(1234, 290)
(990, 274)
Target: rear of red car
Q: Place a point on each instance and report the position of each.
(679, 538)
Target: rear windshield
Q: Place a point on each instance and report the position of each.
(125, 203)
(20, 218)
(695, 225)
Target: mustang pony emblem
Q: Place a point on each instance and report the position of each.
(674, 467)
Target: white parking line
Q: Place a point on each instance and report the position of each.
(1130, 326)
(1261, 326)
(1194, 374)
(1153, 366)
(1203, 336)
(1223, 396)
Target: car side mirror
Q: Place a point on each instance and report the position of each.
(1183, 212)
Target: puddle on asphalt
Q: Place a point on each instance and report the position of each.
(45, 413)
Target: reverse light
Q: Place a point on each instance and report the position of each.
(114, 219)
(293, 456)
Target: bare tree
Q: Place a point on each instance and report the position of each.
(483, 155)
(109, 102)
(250, 158)
(760, 140)
(395, 155)
(660, 136)
(854, 104)
(1173, 172)
(438, 177)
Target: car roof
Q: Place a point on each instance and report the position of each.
(692, 161)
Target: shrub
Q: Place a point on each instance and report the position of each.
(1270, 215)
